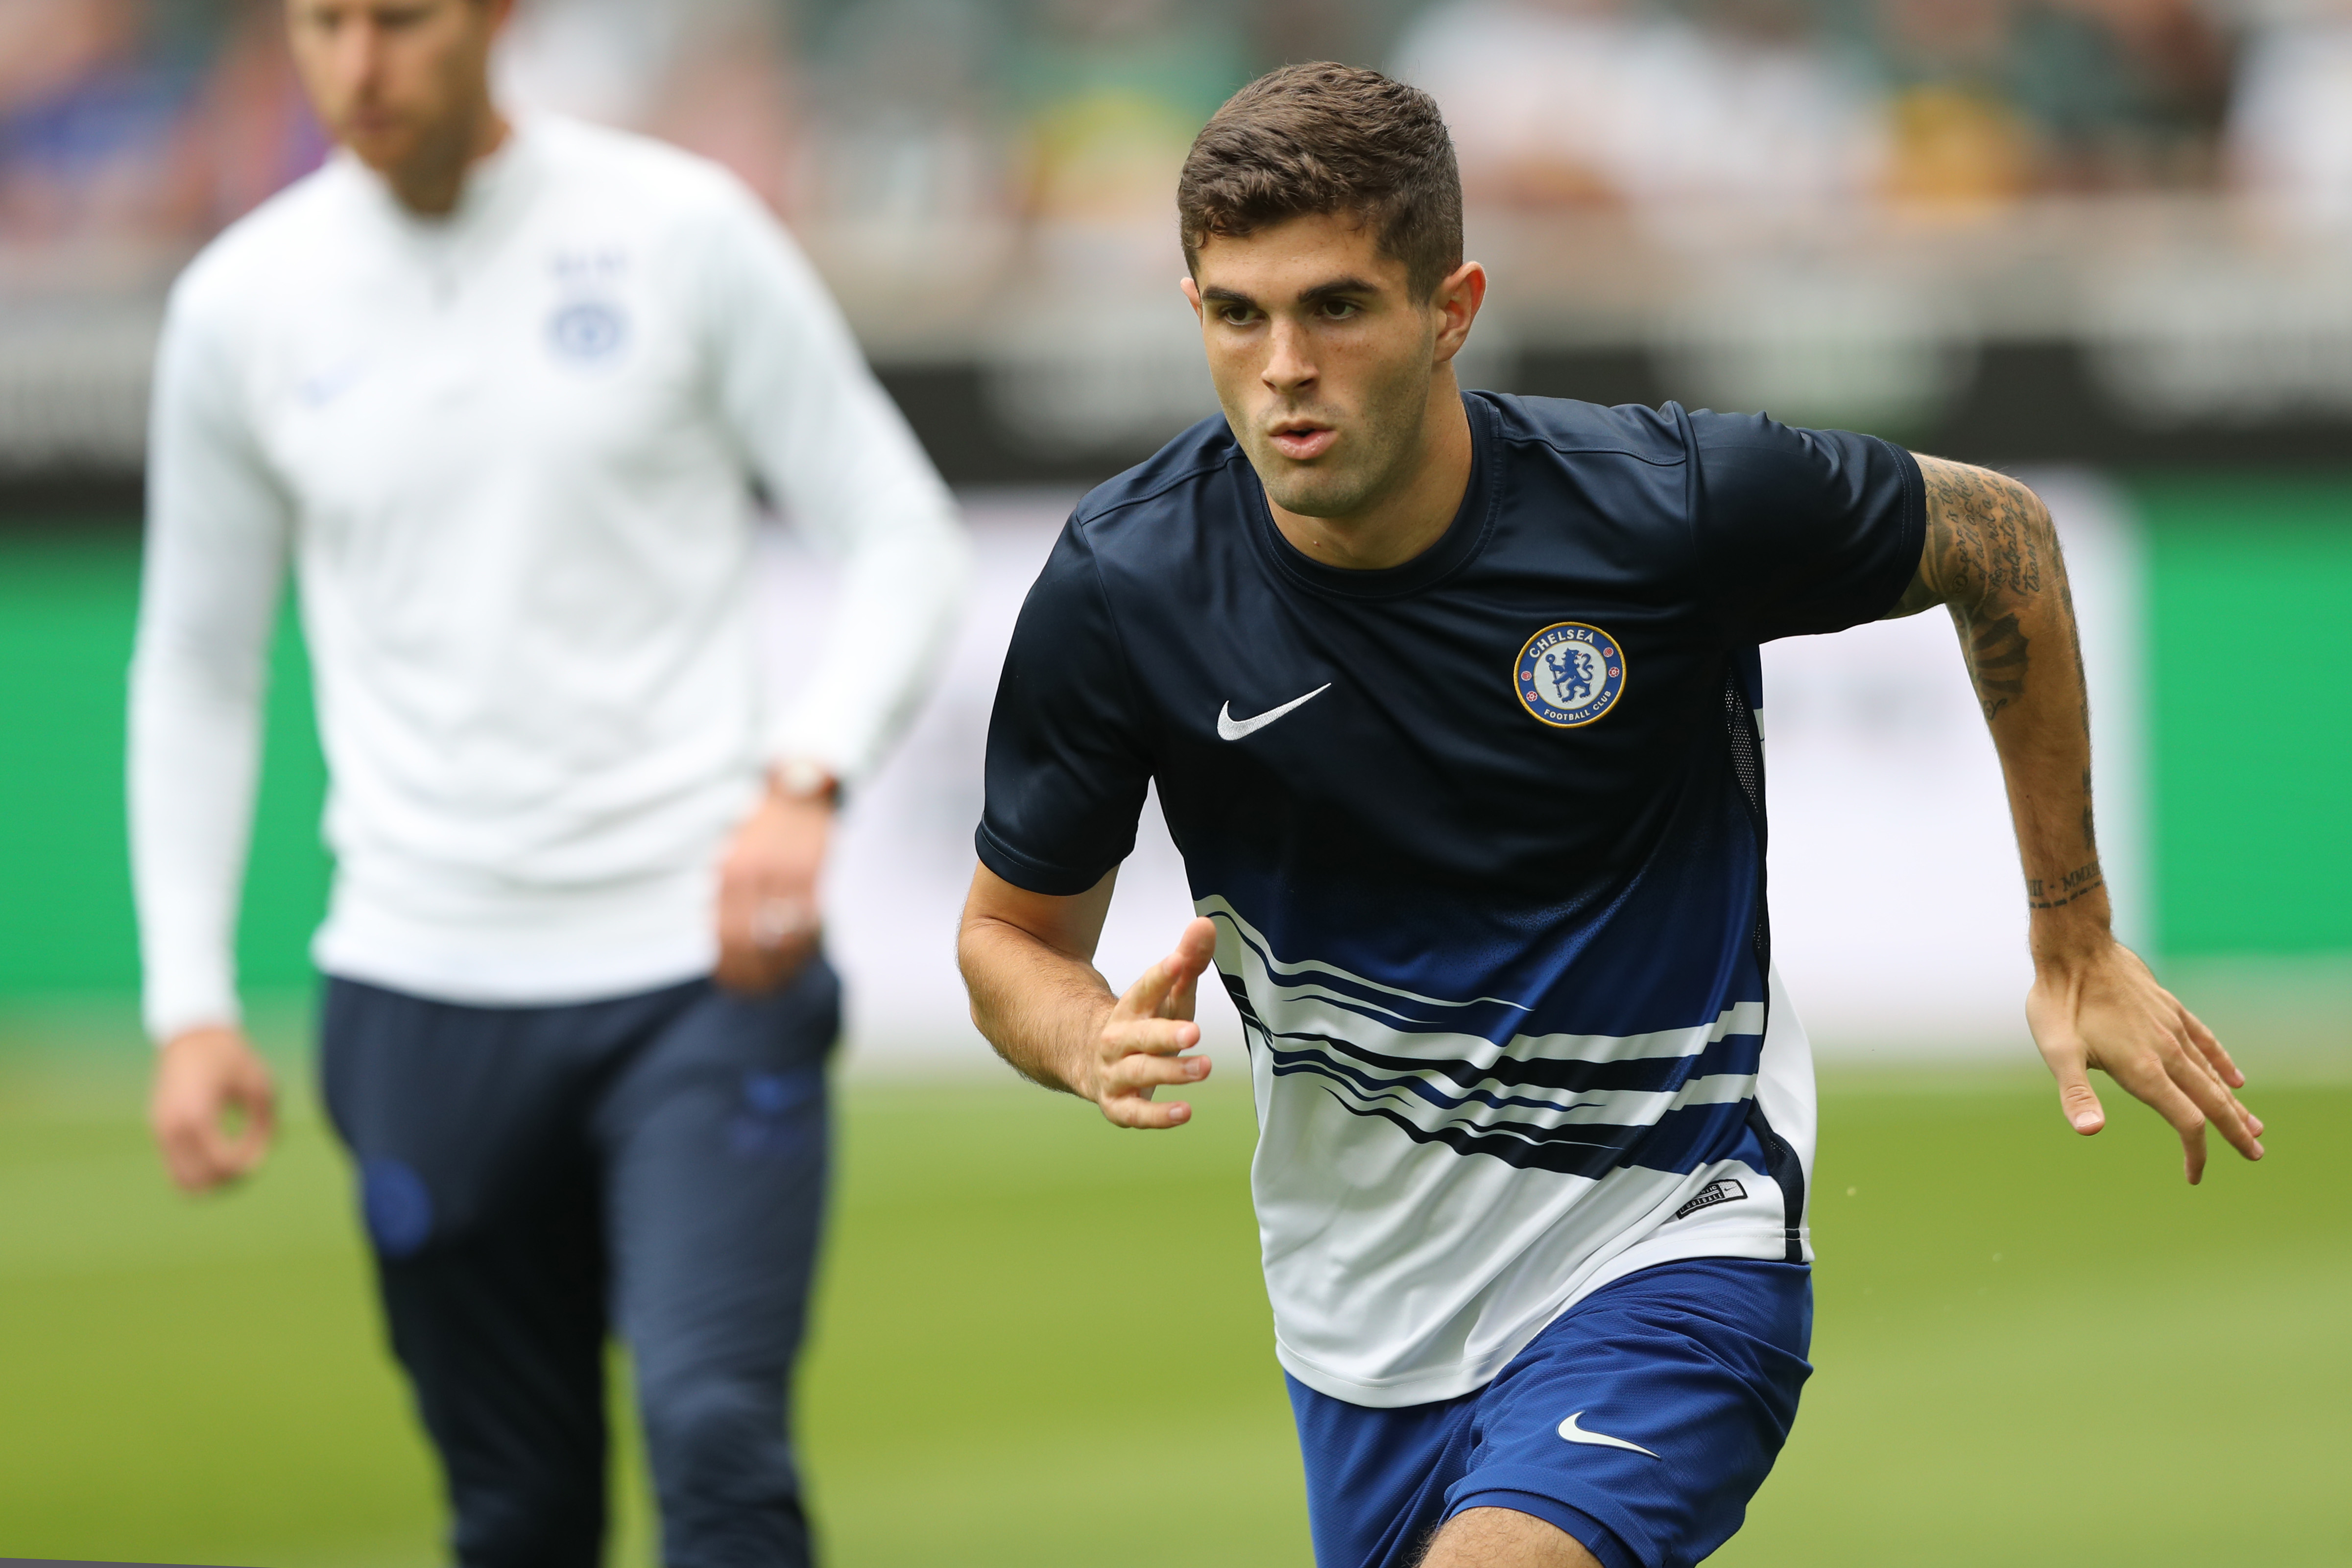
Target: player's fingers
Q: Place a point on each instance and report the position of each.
(1134, 1111)
(750, 966)
(1151, 1037)
(257, 1102)
(2210, 1047)
(197, 1156)
(1143, 999)
(740, 966)
(1155, 991)
(1181, 998)
(178, 1121)
(1196, 948)
(184, 1160)
(2196, 1078)
(1142, 1074)
(2165, 1097)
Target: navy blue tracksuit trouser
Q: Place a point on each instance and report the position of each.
(536, 1179)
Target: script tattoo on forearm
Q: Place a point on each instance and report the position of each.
(2048, 893)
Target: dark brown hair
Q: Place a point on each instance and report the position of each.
(1327, 138)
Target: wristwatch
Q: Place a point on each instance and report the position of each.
(803, 778)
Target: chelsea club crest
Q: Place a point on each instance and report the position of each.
(1571, 674)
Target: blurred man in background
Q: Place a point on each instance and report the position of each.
(1451, 702)
(501, 392)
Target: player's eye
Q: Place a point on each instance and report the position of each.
(1340, 309)
(1236, 315)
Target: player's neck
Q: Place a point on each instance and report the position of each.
(430, 183)
(1408, 517)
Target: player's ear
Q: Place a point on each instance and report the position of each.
(1191, 294)
(1458, 298)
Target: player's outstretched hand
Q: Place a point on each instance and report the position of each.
(2107, 1012)
(205, 1081)
(1138, 1048)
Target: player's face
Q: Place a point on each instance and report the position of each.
(394, 79)
(1325, 360)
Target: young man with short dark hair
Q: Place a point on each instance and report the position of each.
(1450, 703)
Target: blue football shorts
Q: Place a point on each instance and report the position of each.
(1639, 1421)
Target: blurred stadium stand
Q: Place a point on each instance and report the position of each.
(2012, 230)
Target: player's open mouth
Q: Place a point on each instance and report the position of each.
(1302, 442)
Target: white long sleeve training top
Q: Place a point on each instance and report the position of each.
(509, 453)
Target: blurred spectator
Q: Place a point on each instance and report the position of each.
(2125, 93)
(1113, 92)
(252, 131)
(603, 60)
(1286, 32)
(909, 135)
(1989, 99)
(1549, 101)
(87, 109)
(2291, 125)
(712, 76)
(1557, 102)
(728, 93)
(1778, 117)
(1958, 135)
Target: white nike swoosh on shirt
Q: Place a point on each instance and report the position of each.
(1575, 1434)
(1232, 728)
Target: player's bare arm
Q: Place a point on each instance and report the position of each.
(1991, 557)
(1482, 1537)
(1028, 959)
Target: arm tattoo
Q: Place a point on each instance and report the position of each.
(1992, 555)
(2047, 893)
(1989, 548)
(1997, 658)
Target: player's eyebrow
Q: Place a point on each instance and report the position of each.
(1217, 293)
(1337, 286)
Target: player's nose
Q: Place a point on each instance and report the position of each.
(1287, 365)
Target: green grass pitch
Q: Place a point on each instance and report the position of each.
(1042, 1342)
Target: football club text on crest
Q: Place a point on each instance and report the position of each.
(1570, 674)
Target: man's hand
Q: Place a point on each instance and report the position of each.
(2106, 1011)
(769, 921)
(1136, 1049)
(213, 1107)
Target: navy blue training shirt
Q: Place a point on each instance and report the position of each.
(1484, 837)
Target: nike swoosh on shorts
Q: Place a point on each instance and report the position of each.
(1575, 1434)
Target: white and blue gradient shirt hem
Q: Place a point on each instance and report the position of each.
(1399, 1272)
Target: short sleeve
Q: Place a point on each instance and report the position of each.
(1068, 766)
(1803, 530)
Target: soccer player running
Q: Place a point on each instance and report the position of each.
(501, 392)
(1451, 702)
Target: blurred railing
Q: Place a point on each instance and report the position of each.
(2152, 329)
